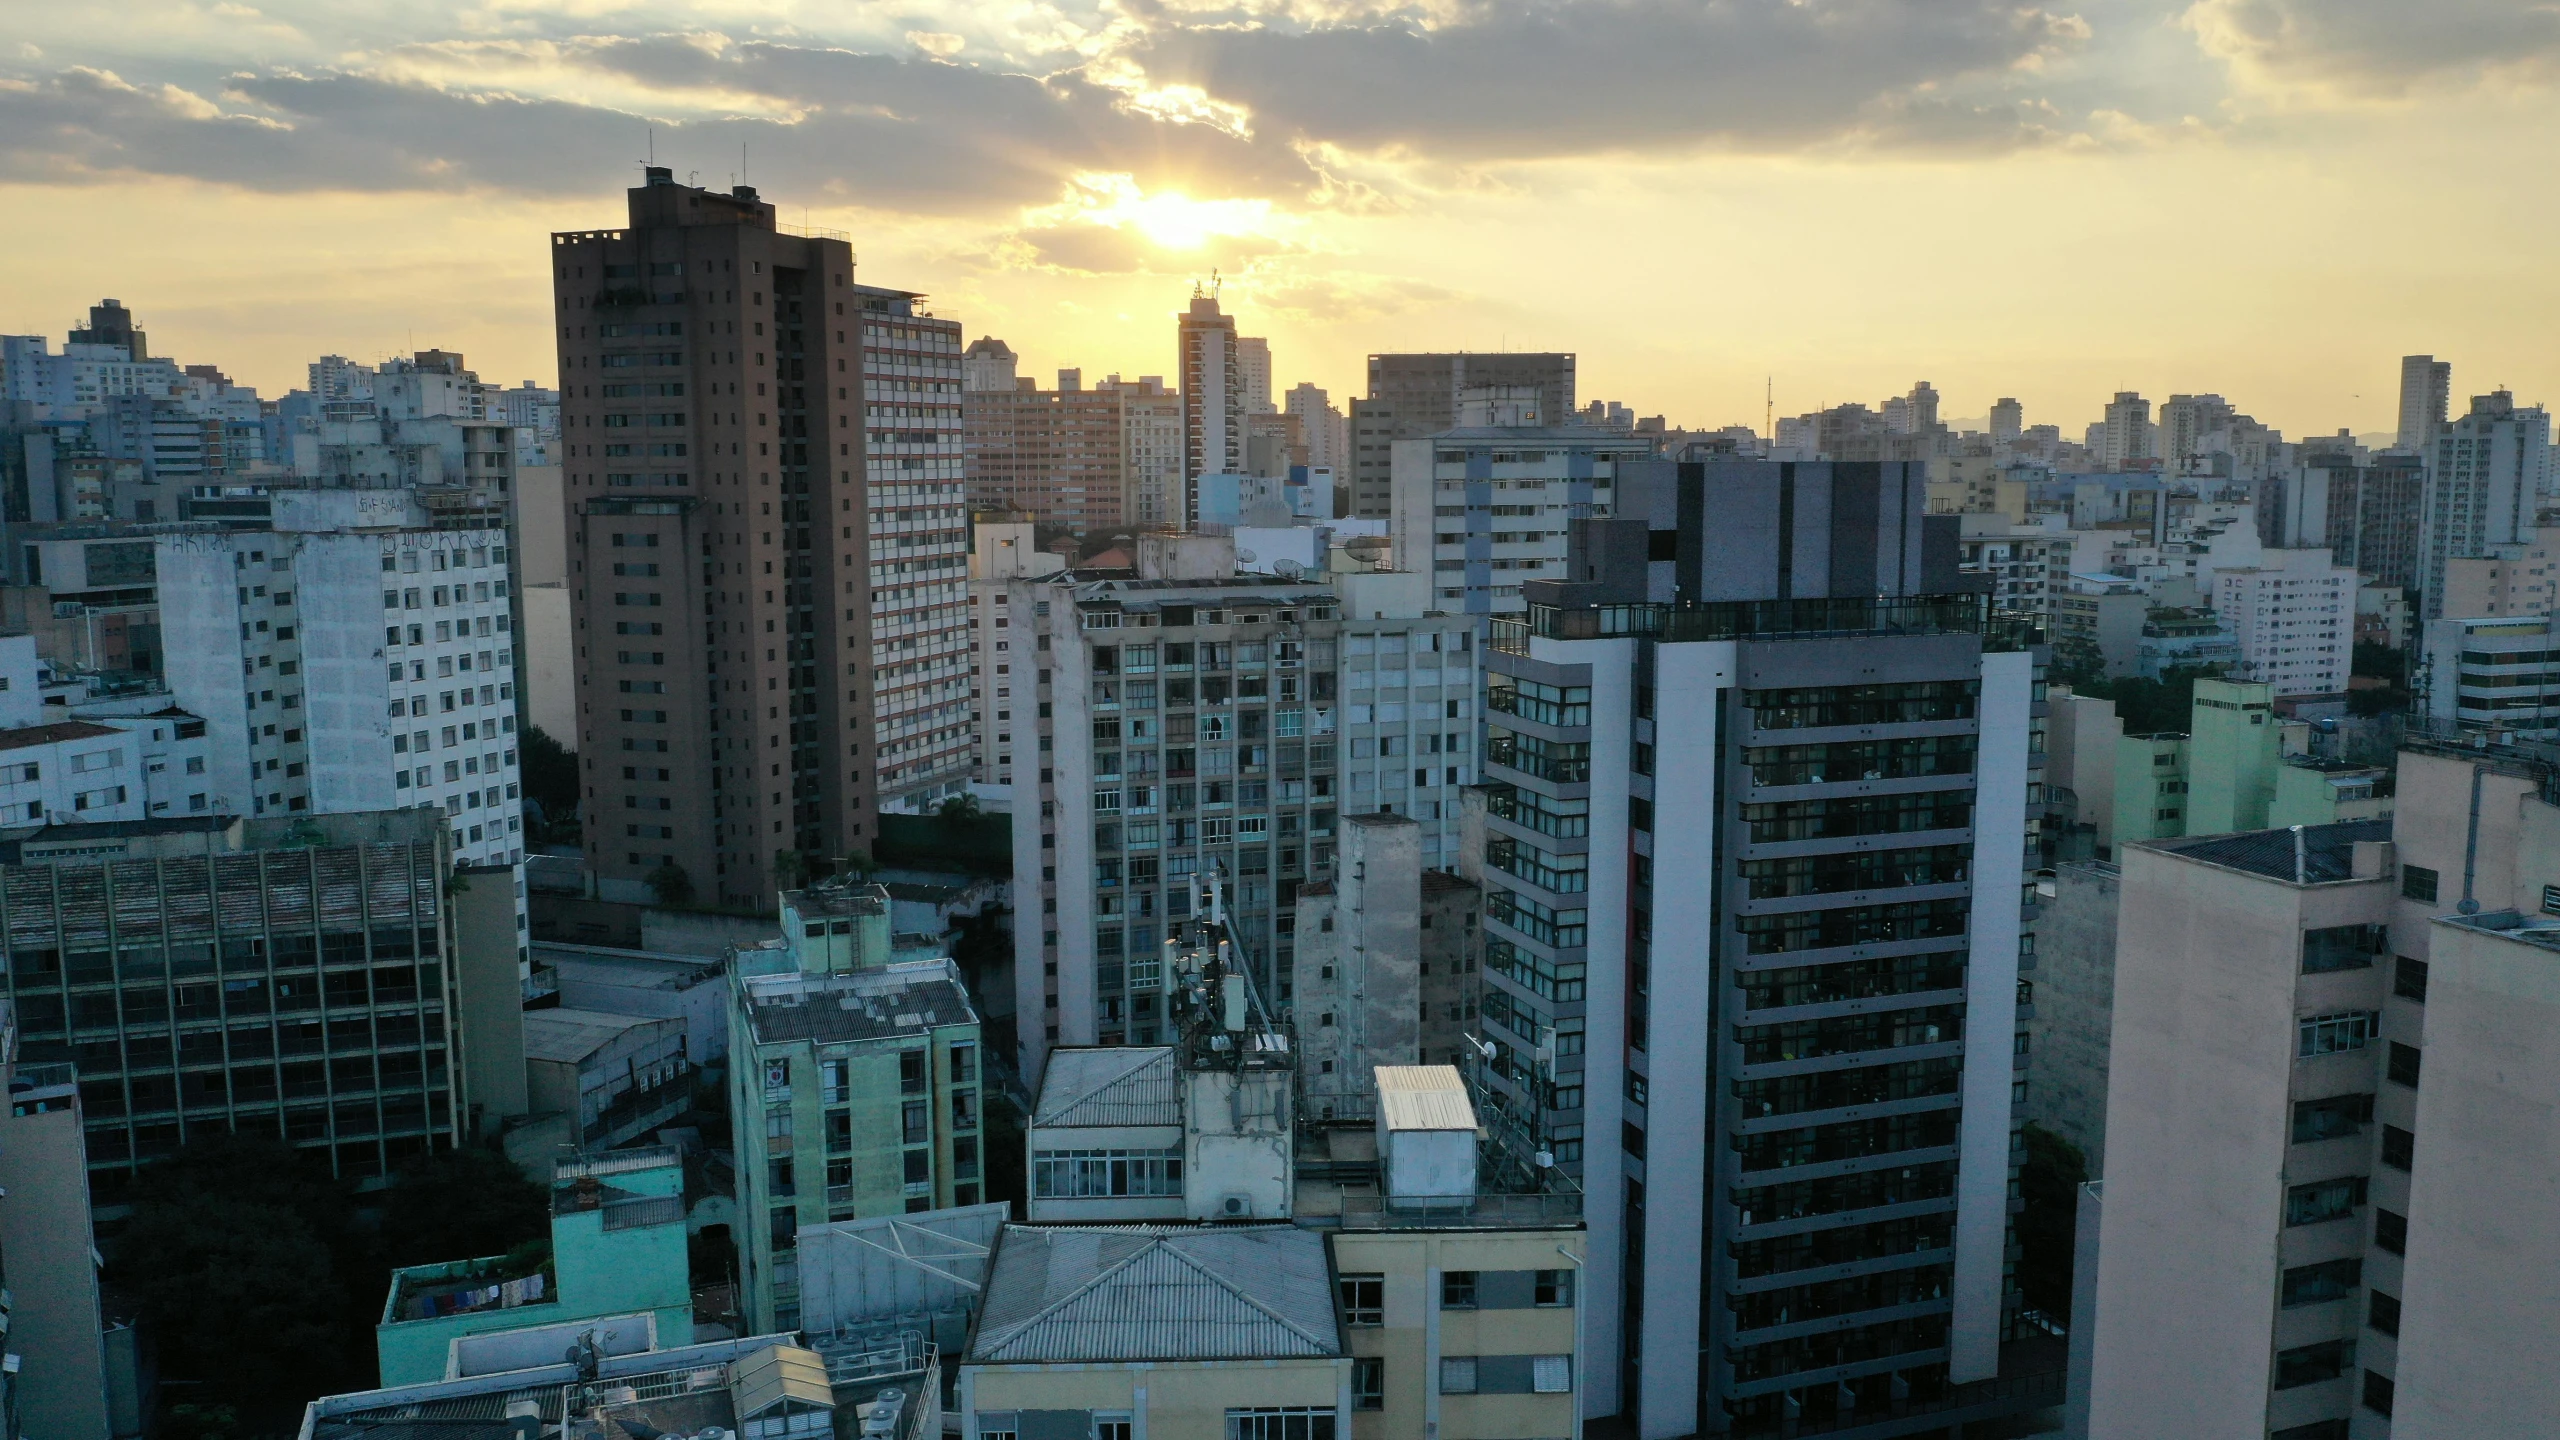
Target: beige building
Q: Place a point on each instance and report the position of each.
(1002, 549)
(2326, 1207)
(1171, 1333)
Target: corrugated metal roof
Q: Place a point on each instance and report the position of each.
(569, 1036)
(1110, 1085)
(1423, 1097)
(785, 1372)
(1070, 1294)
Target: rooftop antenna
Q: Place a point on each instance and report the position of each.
(1769, 406)
(653, 144)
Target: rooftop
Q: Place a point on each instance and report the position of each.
(845, 898)
(2539, 930)
(53, 734)
(569, 1036)
(2301, 855)
(1110, 1085)
(908, 998)
(1423, 1097)
(679, 1392)
(1070, 1294)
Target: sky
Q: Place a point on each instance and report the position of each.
(1710, 201)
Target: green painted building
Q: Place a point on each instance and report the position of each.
(2235, 745)
(2151, 788)
(855, 1084)
(617, 1258)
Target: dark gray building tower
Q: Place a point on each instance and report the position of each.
(1411, 396)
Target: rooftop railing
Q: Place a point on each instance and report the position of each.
(1381, 1212)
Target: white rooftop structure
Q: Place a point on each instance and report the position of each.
(1073, 1294)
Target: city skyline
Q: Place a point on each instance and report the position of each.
(1060, 175)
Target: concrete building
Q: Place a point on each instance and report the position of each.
(612, 1078)
(1683, 1047)
(1213, 396)
(1058, 455)
(2293, 619)
(1327, 430)
(2069, 1007)
(617, 1264)
(987, 366)
(1151, 449)
(1225, 1333)
(2487, 473)
(2126, 436)
(2426, 390)
(860, 1071)
(763, 1388)
(2391, 493)
(1195, 723)
(1484, 508)
(302, 977)
(2500, 675)
(1417, 395)
(75, 1372)
(1253, 364)
(2098, 619)
(2519, 579)
(2183, 639)
(2027, 567)
(2241, 1125)
(1002, 551)
(359, 655)
(660, 324)
(1387, 959)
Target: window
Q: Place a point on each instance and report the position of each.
(1457, 1374)
(2382, 1312)
(2332, 1117)
(1280, 1423)
(2399, 1147)
(1111, 1425)
(1368, 1383)
(2377, 1393)
(2402, 1067)
(2417, 882)
(2311, 1364)
(2409, 979)
(2342, 947)
(1551, 1374)
(1101, 1174)
(1458, 1291)
(2336, 1033)
(1364, 1299)
(2326, 1281)
(2390, 1232)
(1553, 1288)
(2323, 1200)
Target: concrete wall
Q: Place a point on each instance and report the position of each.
(1170, 1400)
(44, 1230)
(549, 663)
(2478, 1307)
(1417, 1332)
(490, 963)
(1359, 959)
(2075, 980)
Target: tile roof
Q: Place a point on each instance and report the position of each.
(53, 734)
(1070, 1294)
(1110, 1085)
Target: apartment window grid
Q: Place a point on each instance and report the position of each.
(1885, 1042)
(299, 993)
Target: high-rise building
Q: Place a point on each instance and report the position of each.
(355, 656)
(2008, 419)
(2126, 434)
(1151, 450)
(768, 544)
(2293, 616)
(2391, 493)
(1322, 427)
(2426, 393)
(1484, 507)
(2326, 1205)
(1004, 551)
(863, 1068)
(1194, 721)
(1253, 367)
(1780, 1060)
(1055, 455)
(2185, 420)
(1213, 396)
(111, 324)
(313, 977)
(987, 365)
(1411, 396)
(2489, 473)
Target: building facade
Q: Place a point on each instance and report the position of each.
(1055, 455)
(2486, 475)
(1193, 723)
(1489, 504)
(2293, 619)
(1417, 395)
(1213, 396)
(1830, 1025)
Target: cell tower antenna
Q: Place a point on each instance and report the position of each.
(1769, 406)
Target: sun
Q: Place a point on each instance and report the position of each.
(1169, 219)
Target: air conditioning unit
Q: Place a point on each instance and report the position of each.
(1236, 1207)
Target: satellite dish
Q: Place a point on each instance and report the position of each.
(1287, 569)
(1244, 557)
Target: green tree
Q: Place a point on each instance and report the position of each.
(2049, 1182)
(790, 869)
(550, 775)
(236, 1258)
(461, 1205)
(670, 884)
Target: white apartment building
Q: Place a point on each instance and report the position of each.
(2489, 472)
(353, 657)
(1194, 721)
(2028, 565)
(2493, 673)
(1151, 488)
(1484, 508)
(919, 510)
(1001, 553)
(2294, 618)
(66, 763)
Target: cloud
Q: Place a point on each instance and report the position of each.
(1116, 250)
(904, 133)
(1598, 76)
(2383, 45)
